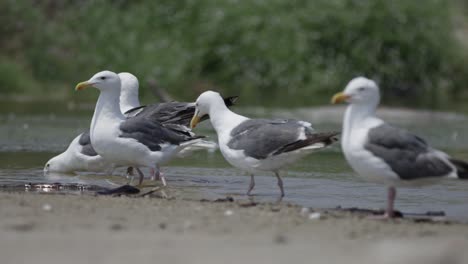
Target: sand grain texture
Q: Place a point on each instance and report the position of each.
(85, 229)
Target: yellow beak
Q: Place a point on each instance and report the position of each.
(82, 85)
(339, 98)
(195, 120)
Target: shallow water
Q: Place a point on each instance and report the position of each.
(28, 140)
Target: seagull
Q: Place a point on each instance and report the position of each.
(259, 144)
(173, 113)
(176, 114)
(131, 142)
(80, 154)
(386, 154)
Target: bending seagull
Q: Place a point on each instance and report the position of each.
(258, 144)
(79, 156)
(132, 142)
(386, 154)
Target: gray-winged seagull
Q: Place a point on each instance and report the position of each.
(132, 142)
(259, 144)
(386, 154)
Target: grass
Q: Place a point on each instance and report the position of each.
(273, 53)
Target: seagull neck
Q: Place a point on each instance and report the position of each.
(128, 100)
(223, 119)
(107, 108)
(354, 115)
(63, 162)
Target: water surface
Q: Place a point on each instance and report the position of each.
(28, 139)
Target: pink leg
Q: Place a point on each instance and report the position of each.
(252, 184)
(157, 175)
(140, 173)
(389, 212)
(129, 173)
(280, 184)
(163, 180)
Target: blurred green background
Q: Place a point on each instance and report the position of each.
(270, 52)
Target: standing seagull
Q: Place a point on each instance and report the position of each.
(258, 144)
(80, 154)
(132, 142)
(386, 154)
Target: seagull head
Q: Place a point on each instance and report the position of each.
(103, 81)
(129, 82)
(359, 90)
(129, 91)
(205, 102)
(56, 164)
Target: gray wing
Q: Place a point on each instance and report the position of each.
(261, 138)
(408, 155)
(86, 147)
(179, 113)
(172, 112)
(153, 134)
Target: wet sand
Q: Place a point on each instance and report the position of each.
(45, 228)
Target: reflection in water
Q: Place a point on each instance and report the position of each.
(321, 180)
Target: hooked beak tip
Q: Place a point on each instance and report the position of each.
(339, 98)
(82, 86)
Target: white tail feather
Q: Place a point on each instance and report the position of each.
(318, 145)
(196, 145)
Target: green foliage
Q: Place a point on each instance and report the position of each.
(271, 52)
(13, 78)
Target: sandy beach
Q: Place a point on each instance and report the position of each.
(46, 228)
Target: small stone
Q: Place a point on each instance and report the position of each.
(275, 208)
(188, 224)
(315, 216)
(248, 204)
(305, 211)
(162, 226)
(23, 227)
(280, 239)
(47, 207)
(224, 200)
(116, 227)
(228, 212)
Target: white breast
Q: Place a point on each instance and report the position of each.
(363, 162)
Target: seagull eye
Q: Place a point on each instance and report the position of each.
(361, 89)
(48, 165)
(103, 78)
